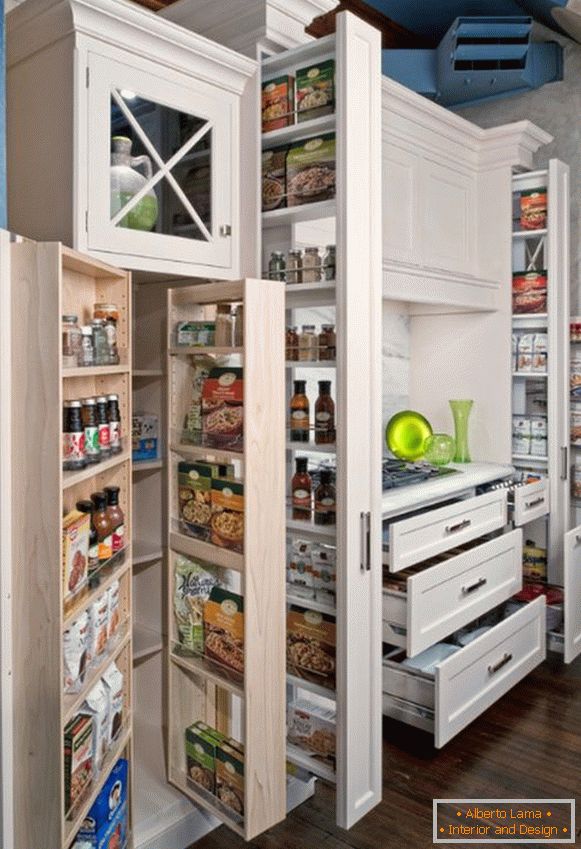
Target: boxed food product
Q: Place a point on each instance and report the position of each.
(97, 706)
(311, 646)
(315, 90)
(534, 562)
(533, 209)
(514, 351)
(144, 436)
(230, 778)
(576, 426)
(540, 348)
(521, 445)
(78, 754)
(539, 446)
(539, 428)
(200, 370)
(224, 628)
(195, 334)
(201, 747)
(575, 371)
(310, 167)
(526, 345)
(192, 588)
(222, 408)
(228, 513)
(114, 610)
(75, 661)
(98, 627)
(105, 826)
(195, 497)
(76, 531)
(529, 292)
(313, 728)
(325, 572)
(521, 426)
(113, 681)
(274, 178)
(300, 569)
(278, 103)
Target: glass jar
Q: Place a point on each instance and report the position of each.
(224, 335)
(308, 344)
(71, 341)
(311, 266)
(86, 354)
(100, 342)
(294, 267)
(111, 331)
(329, 263)
(292, 344)
(106, 312)
(277, 266)
(327, 342)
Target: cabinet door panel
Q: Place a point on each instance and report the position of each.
(447, 210)
(400, 204)
(572, 581)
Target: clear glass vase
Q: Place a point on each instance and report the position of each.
(461, 412)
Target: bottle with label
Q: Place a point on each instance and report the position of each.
(103, 425)
(73, 437)
(117, 517)
(89, 415)
(302, 487)
(299, 413)
(87, 506)
(87, 353)
(103, 525)
(326, 499)
(114, 421)
(308, 344)
(327, 342)
(325, 415)
(292, 344)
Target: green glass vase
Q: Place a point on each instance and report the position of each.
(461, 412)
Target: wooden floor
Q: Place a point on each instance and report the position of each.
(528, 745)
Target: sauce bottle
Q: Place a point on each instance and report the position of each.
(103, 526)
(87, 506)
(326, 499)
(73, 437)
(89, 415)
(325, 415)
(114, 421)
(116, 516)
(301, 487)
(103, 424)
(299, 413)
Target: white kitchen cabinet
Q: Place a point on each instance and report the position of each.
(188, 107)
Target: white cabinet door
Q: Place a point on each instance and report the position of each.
(572, 582)
(173, 200)
(400, 187)
(448, 217)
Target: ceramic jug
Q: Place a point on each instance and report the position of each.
(126, 182)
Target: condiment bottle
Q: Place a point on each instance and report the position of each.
(311, 265)
(299, 413)
(100, 342)
(71, 341)
(277, 266)
(327, 342)
(103, 424)
(114, 421)
(324, 415)
(103, 525)
(89, 416)
(224, 336)
(87, 506)
(292, 344)
(294, 267)
(111, 334)
(117, 517)
(73, 437)
(87, 353)
(301, 487)
(326, 499)
(308, 344)
(329, 263)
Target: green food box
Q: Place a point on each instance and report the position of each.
(310, 170)
(315, 90)
(201, 748)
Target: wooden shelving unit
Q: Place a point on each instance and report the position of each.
(200, 689)
(49, 280)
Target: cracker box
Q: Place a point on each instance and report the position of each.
(105, 826)
(312, 728)
(278, 103)
(230, 778)
(274, 178)
(76, 531)
(310, 170)
(534, 562)
(78, 754)
(315, 90)
(324, 559)
(144, 436)
(201, 747)
(222, 408)
(227, 523)
(301, 577)
(224, 629)
(311, 646)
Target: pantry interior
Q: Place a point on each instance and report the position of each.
(423, 219)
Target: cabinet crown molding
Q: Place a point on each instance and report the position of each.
(38, 23)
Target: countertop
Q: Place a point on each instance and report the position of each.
(416, 496)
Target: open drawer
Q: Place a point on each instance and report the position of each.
(431, 532)
(530, 502)
(444, 597)
(469, 681)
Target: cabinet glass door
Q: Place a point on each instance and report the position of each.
(159, 167)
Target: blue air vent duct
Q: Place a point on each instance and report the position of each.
(478, 59)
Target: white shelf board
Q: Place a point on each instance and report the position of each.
(295, 214)
(529, 234)
(308, 529)
(310, 448)
(303, 759)
(302, 364)
(310, 603)
(532, 320)
(315, 50)
(530, 375)
(299, 130)
(146, 552)
(146, 641)
(532, 461)
(320, 294)
(310, 687)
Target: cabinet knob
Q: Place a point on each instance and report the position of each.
(225, 230)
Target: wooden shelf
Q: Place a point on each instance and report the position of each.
(93, 594)
(321, 294)
(211, 672)
(200, 452)
(206, 551)
(96, 371)
(319, 364)
(205, 800)
(307, 761)
(310, 686)
(299, 130)
(295, 214)
(74, 478)
(310, 603)
(146, 552)
(146, 642)
(309, 529)
(147, 465)
(311, 447)
(147, 373)
(187, 350)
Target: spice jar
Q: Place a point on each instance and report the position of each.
(239, 327)
(329, 263)
(103, 425)
(327, 342)
(71, 341)
(73, 437)
(103, 525)
(114, 422)
(324, 415)
(87, 353)
(292, 344)
(117, 518)
(294, 267)
(111, 333)
(308, 344)
(87, 506)
(224, 335)
(311, 266)
(277, 266)
(326, 499)
(106, 312)
(100, 342)
(301, 488)
(89, 416)
(299, 413)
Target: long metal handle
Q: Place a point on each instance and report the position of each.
(481, 582)
(453, 529)
(534, 503)
(495, 667)
(365, 550)
(564, 462)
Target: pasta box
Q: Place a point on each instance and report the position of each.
(312, 728)
(78, 754)
(278, 103)
(230, 778)
(311, 646)
(274, 178)
(315, 90)
(222, 408)
(227, 523)
(310, 170)
(105, 826)
(224, 629)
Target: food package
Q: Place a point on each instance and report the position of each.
(278, 103)
(315, 90)
(75, 662)
(521, 426)
(274, 178)
(97, 706)
(313, 728)
(113, 681)
(576, 426)
(98, 627)
(310, 167)
(76, 531)
(521, 445)
(300, 569)
(514, 351)
(105, 826)
(525, 352)
(222, 408)
(230, 777)
(533, 209)
(200, 370)
(224, 629)
(325, 572)
(539, 447)
(192, 588)
(196, 334)
(529, 292)
(227, 521)
(202, 743)
(311, 646)
(575, 371)
(534, 562)
(78, 755)
(540, 347)
(195, 498)
(114, 609)
(576, 482)
(144, 436)
(539, 427)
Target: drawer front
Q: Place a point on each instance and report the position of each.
(421, 537)
(471, 680)
(409, 713)
(444, 598)
(531, 502)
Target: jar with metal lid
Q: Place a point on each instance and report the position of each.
(277, 266)
(224, 336)
(308, 344)
(312, 266)
(71, 341)
(106, 311)
(330, 263)
(327, 342)
(292, 344)
(100, 342)
(86, 353)
(111, 331)
(294, 267)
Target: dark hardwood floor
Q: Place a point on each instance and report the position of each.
(528, 745)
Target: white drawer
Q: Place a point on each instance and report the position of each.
(427, 534)
(469, 681)
(531, 502)
(443, 598)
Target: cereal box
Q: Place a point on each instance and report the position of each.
(310, 167)
(278, 103)
(311, 646)
(315, 90)
(201, 746)
(78, 752)
(230, 778)
(224, 629)
(76, 531)
(313, 728)
(144, 436)
(274, 178)
(222, 408)
(105, 826)
(227, 522)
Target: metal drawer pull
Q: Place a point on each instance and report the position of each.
(535, 503)
(225, 230)
(497, 666)
(473, 587)
(453, 529)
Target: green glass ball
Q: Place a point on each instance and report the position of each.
(439, 449)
